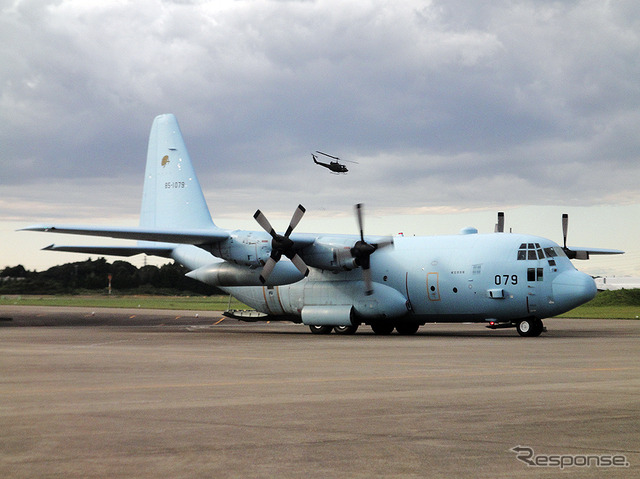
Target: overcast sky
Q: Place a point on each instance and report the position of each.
(451, 108)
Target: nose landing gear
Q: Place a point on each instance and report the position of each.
(530, 327)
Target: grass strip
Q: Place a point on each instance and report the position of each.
(190, 303)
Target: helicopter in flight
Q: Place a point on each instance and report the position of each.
(334, 166)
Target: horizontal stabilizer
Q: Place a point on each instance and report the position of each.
(114, 250)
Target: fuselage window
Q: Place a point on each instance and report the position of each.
(535, 274)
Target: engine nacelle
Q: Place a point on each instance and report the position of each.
(330, 253)
(249, 248)
(229, 274)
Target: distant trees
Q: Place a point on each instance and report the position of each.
(93, 276)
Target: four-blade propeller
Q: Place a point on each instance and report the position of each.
(281, 245)
(362, 251)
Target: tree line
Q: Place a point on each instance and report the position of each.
(92, 276)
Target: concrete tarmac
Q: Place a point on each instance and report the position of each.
(150, 394)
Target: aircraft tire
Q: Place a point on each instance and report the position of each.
(538, 327)
(407, 329)
(383, 328)
(345, 330)
(315, 329)
(529, 328)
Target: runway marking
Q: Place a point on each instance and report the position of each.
(132, 316)
(221, 319)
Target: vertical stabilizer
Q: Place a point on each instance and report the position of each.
(172, 197)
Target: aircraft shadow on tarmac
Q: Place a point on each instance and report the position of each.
(212, 325)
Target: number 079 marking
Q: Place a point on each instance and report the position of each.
(501, 279)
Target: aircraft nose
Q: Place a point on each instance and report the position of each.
(573, 288)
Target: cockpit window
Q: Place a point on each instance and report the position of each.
(533, 252)
(559, 251)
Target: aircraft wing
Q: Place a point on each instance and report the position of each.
(194, 237)
(584, 253)
(599, 250)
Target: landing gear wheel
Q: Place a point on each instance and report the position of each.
(383, 328)
(530, 328)
(407, 329)
(320, 329)
(538, 327)
(346, 330)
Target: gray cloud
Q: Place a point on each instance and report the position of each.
(442, 103)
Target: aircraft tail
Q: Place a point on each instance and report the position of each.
(171, 197)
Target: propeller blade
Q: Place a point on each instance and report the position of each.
(500, 224)
(267, 269)
(281, 244)
(264, 222)
(368, 284)
(565, 228)
(359, 208)
(384, 243)
(298, 263)
(295, 219)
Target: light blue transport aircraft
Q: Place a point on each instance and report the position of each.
(337, 282)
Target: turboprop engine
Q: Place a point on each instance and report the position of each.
(229, 274)
(244, 247)
(330, 253)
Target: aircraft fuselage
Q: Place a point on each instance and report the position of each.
(459, 278)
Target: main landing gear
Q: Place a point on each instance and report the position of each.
(344, 330)
(382, 328)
